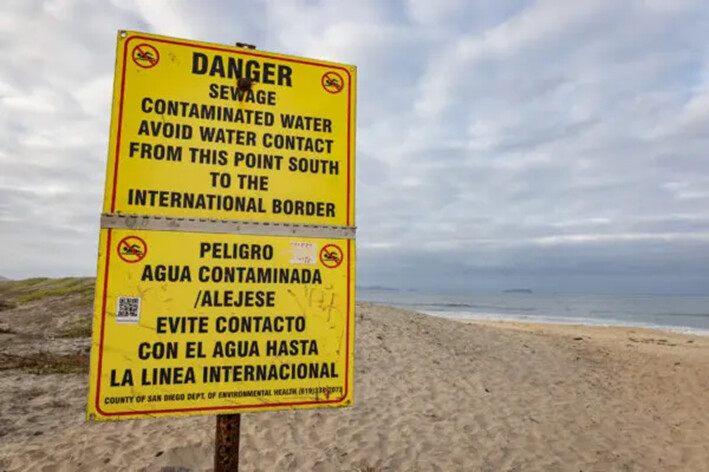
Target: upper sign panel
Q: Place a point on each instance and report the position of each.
(207, 131)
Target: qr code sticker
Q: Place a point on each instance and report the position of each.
(128, 310)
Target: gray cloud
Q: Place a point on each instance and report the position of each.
(552, 144)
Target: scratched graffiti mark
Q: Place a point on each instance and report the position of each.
(319, 302)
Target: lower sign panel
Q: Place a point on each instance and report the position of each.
(196, 323)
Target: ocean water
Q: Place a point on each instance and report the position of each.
(677, 313)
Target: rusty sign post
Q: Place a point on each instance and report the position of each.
(227, 435)
(226, 443)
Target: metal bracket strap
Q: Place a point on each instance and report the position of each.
(202, 225)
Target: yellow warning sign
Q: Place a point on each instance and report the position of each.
(199, 323)
(210, 131)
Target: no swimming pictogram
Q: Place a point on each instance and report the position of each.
(132, 249)
(331, 256)
(332, 82)
(145, 56)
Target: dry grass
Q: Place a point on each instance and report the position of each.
(80, 330)
(42, 363)
(6, 305)
(52, 308)
(59, 288)
(22, 291)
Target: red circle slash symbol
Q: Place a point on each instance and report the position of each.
(332, 82)
(145, 56)
(331, 256)
(132, 249)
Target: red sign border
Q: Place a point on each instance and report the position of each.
(348, 219)
(97, 403)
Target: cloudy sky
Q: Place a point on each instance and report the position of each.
(554, 144)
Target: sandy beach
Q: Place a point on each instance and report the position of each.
(430, 394)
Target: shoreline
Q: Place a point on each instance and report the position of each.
(578, 323)
(525, 319)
